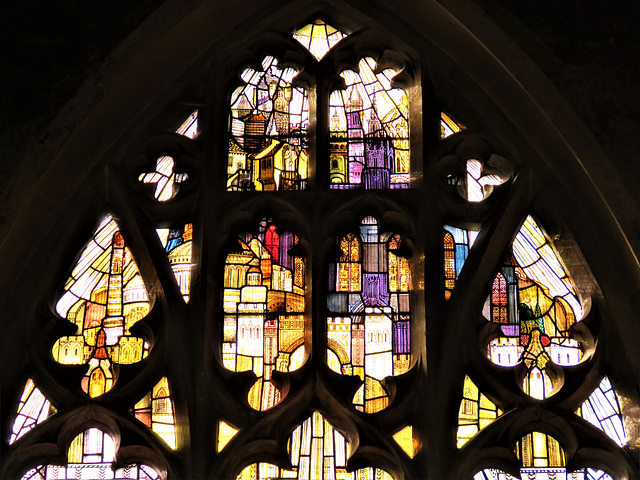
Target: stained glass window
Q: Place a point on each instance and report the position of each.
(535, 302)
(90, 457)
(269, 122)
(155, 410)
(264, 288)
(318, 37)
(104, 297)
(602, 409)
(34, 408)
(177, 242)
(189, 128)
(316, 451)
(475, 413)
(368, 331)
(457, 242)
(226, 432)
(542, 458)
(369, 131)
(448, 126)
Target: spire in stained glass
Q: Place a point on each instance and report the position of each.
(369, 131)
(264, 289)
(369, 327)
(104, 297)
(316, 450)
(318, 37)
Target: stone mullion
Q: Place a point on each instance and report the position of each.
(459, 335)
(206, 410)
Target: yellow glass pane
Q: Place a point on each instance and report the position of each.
(405, 439)
(225, 433)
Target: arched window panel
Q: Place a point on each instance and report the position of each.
(264, 302)
(33, 409)
(318, 37)
(369, 327)
(156, 411)
(602, 409)
(542, 458)
(316, 450)
(535, 302)
(457, 242)
(166, 180)
(369, 131)
(90, 457)
(178, 244)
(475, 413)
(104, 297)
(269, 131)
(448, 126)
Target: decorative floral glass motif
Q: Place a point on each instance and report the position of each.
(34, 408)
(369, 131)
(104, 297)
(318, 37)
(155, 410)
(368, 331)
(269, 138)
(90, 457)
(264, 288)
(177, 242)
(316, 451)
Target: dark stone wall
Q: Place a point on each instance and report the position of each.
(589, 49)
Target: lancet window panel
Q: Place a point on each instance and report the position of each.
(369, 131)
(369, 330)
(264, 305)
(269, 131)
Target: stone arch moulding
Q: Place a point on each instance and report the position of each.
(74, 164)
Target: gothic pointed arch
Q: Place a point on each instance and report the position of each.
(120, 147)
